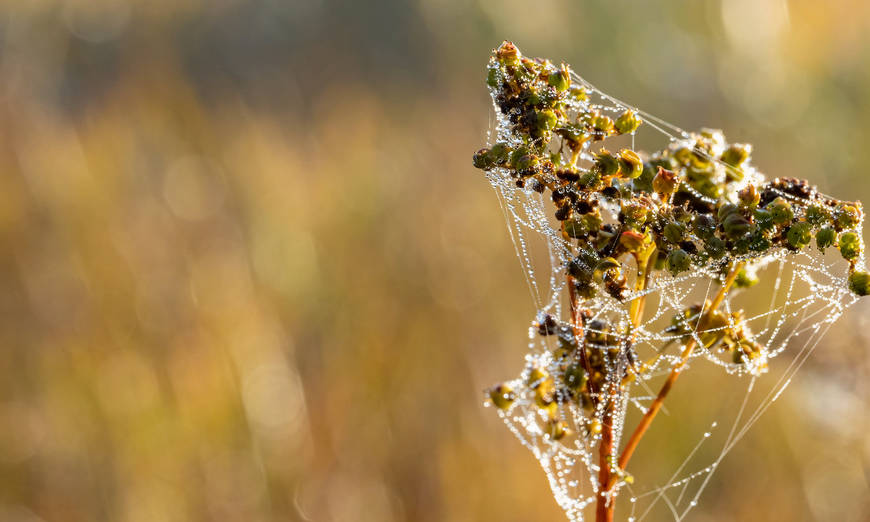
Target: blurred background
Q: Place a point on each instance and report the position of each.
(247, 271)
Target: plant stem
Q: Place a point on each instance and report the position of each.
(656, 405)
(604, 503)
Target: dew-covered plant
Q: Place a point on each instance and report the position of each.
(631, 235)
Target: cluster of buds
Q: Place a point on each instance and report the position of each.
(726, 332)
(692, 205)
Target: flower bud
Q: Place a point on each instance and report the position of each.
(735, 225)
(502, 396)
(726, 210)
(825, 237)
(704, 225)
(606, 163)
(546, 120)
(850, 246)
(635, 214)
(482, 160)
(627, 122)
(630, 164)
(859, 283)
(780, 211)
(559, 80)
(736, 154)
(678, 261)
(846, 216)
(665, 182)
(745, 278)
(673, 232)
(601, 125)
(799, 235)
(817, 215)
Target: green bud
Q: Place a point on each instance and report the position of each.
(674, 232)
(546, 120)
(601, 125)
(630, 164)
(502, 396)
(825, 237)
(799, 235)
(678, 261)
(526, 163)
(482, 160)
(859, 283)
(635, 214)
(499, 153)
(575, 376)
(735, 225)
(763, 218)
(606, 163)
(780, 211)
(704, 226)
(627, 122)
(726, 210)
(746, 278)
(850, 246)
(817, 215)
(736, 154)
(846, 216)
(559, 80)
(715, 247)
(590, 180)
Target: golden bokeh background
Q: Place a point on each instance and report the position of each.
(247, 272)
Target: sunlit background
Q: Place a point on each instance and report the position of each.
(248, 273)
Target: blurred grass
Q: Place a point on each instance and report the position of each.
(248, 272)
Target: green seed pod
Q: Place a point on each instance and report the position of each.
(799, 235)
(817, 215)
(763, 218)
(735, 225)
(591, 180)
(575, 376)
(518, 153)
(846, 216)
(500, 153)
(630, 164)
(556, 429)
(780, 211)
(526, 163)
(736, 154)
(634, 213)
(546, 120)
(482, 160)
(859, 283)
(502, 396)
(627, 122)
(678, 261)
(726, 210)
(704, 226)
(715, 247)
(746, 278)
(825, 237)
(606, 163)
(559, 80)
(601, 125)
(674, 232)
(749, 196)
(850, 246)
(665, 182)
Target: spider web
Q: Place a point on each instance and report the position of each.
(803, 293)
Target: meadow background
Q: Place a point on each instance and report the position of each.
(247, 271)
